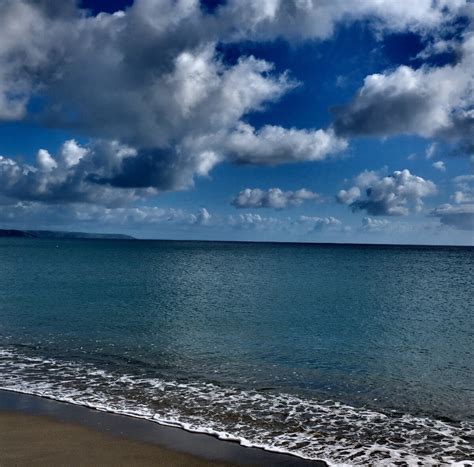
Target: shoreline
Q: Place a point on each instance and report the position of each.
(118, 434)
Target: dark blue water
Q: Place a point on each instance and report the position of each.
(348, 353)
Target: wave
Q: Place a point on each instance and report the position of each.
(326, 430)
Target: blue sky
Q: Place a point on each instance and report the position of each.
(282, 120)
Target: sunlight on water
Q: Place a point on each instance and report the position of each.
(349, 354)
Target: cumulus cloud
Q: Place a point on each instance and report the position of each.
(348, 196)
(158, 83)
(433, 102)
(273, 145)
(374, 225)
(161, 87)
(70, 176)
(319, 224)
(392, 195)
(458, 216)
(250, 221)
(273, 198)
(163, 106)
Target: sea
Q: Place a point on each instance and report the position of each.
(352, 354)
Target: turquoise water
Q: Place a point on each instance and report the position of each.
(352, 354)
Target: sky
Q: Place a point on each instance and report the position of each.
(258, 120)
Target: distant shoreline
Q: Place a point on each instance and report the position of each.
(70, 235)
(60, 235)
(113, 436)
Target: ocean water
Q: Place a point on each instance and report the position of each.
(351, 354)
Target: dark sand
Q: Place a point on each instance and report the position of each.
(32, 440)
(40, 432)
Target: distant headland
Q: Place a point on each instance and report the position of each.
(56, 234)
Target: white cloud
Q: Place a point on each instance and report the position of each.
(429, 101)
(162, 106)
(203, 217)
(72, 153)
(316, 19)
(465, 189)
(374, 225)
(321, 223)
(392, 195)
(349, 196)
(461, 197)
(248, 221)
(160, 86)
(81, 214)
(430, 150)
(154, 82)
(439, 165)
(45, 161)
(272, 198)
(273, 145)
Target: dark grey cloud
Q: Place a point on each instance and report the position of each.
(150, 168)
(461, 131)
(382, 113)
(459, 216)
(69, 177)
(393, 195)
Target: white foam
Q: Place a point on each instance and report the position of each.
(327, 430)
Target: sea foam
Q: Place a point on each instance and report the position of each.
(337, 433)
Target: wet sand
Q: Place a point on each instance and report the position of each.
(30, 440)
(35, 431)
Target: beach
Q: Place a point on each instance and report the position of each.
(36, 431)
(54, 443)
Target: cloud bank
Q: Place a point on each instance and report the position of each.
(159, 86)
(160, 104)
(460, 216)
(273, 198)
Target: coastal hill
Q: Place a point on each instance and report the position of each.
(54, 234)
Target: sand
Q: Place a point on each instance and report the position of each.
(35, 431)
(28, 440)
